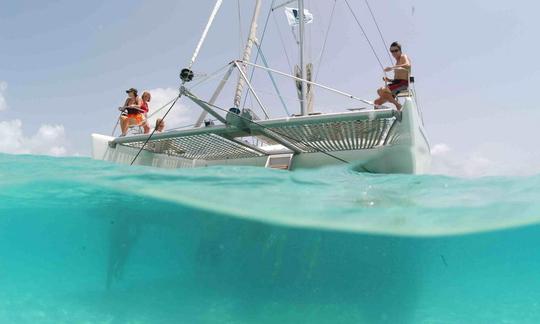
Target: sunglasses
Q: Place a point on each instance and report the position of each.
(394, 50)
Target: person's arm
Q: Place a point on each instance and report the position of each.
(137, 105)
(123, 107)
(403, 63)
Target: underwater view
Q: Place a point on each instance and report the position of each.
(85, 241)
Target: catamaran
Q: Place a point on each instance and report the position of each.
(383, 140)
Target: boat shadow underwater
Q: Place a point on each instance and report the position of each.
(271, 273)
(137, 258)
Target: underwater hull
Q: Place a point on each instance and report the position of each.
(409, 153)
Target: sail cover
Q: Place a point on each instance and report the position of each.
(293, 16)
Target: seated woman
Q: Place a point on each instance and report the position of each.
(401, 78)
(134, 113)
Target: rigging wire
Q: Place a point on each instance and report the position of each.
(280, 134)
(292, 98)
(192, 61)
(295, 98)
(416, 99)
(265, 62)
(390, 56)
(155, 129)
(240, 35)
(211, 76)
(308, 42)
(147, 117)
(117, 122)
(418, 105)
(261, 55)
(325, 40)
(365, 35)
(160, 108)
(282, 42)
(380, 33)
(207, 78)
(258, 46)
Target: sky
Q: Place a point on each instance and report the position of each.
(65, 66)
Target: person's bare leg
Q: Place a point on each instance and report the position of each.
(388, 97)
(396, 103)
(146, 128)
(124, 125)
(379, 101)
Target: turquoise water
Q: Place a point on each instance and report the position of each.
(84, 241)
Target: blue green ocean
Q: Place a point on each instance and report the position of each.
(85, 241)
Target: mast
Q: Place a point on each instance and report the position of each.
(301, 27)
(247, 52)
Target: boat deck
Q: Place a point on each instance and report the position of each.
(304, 134)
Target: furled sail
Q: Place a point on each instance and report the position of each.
(309, 88)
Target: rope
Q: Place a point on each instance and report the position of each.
(365, 35)
(157, 126)
(380, 33)
(193, 58)
(325, 39)
(280, 134)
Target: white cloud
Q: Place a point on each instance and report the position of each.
(49, 139)
(445, 161)
(180, 115)
(440, 149)
(3, 102)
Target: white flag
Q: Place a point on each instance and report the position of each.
(293, 16)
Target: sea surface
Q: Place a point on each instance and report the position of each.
(85, 241)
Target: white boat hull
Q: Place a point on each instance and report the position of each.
(409, 153)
